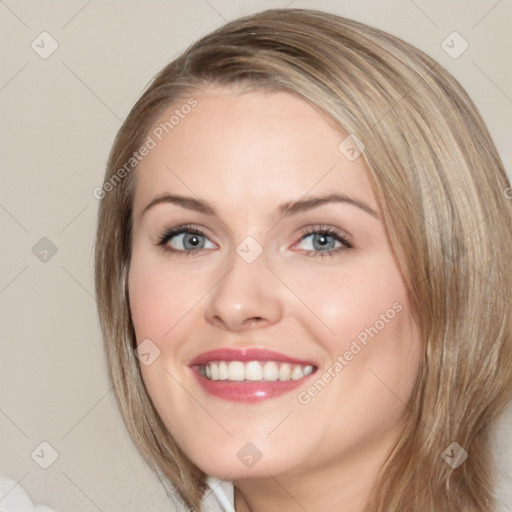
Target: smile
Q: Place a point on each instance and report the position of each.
(249, 375)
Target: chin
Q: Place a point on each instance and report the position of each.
(237, 459)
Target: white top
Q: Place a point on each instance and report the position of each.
(222, 498)
(13, 498)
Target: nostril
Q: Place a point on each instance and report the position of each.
(254, 320)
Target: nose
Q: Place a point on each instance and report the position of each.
(246, 297)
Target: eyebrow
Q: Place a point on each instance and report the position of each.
(286, 209)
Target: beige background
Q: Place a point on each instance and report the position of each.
(59, 116)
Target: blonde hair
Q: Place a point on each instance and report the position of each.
(442, 191)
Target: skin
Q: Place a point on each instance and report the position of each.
(246, 153)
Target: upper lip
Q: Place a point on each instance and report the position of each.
(245, 354)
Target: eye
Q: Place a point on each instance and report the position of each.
(184, 240)
(324, 241)
(319, 241)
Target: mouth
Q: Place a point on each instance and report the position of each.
(249, 375)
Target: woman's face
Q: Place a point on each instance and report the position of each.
(276, 336)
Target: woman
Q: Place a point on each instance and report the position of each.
(303, 272)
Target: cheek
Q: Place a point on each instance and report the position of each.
(349, 302)
(162, 303)
(161, 298)
(362, 319)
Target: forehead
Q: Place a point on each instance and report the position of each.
(258, 147)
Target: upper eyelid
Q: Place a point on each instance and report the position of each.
(325, 227)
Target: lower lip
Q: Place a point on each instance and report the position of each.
(247, 391)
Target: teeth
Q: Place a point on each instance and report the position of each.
(223, 371)
(308, 369)
(297, 373)
(254, 371)
(236, 370)
(270, 371)
(285, 372)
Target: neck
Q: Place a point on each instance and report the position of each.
(343, 485)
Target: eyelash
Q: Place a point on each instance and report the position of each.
(322, 230)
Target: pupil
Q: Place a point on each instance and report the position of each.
(193, 240)
(322, 240)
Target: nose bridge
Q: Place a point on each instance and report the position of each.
(246, 294)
